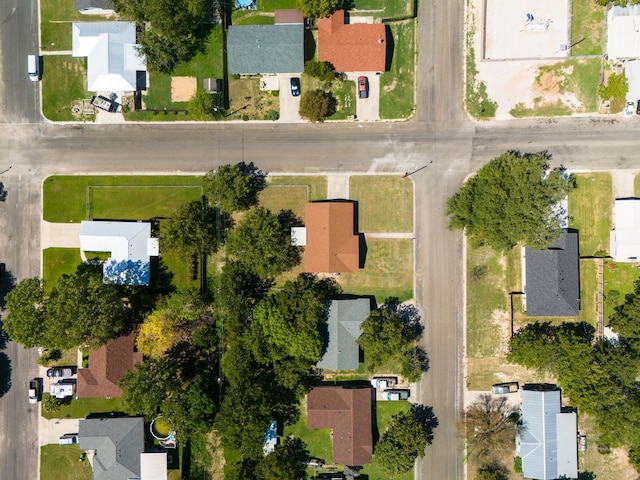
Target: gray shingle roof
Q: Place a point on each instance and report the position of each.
(118, 443)
(345, 318)
(253, 49)
(103, 4)
(552, 279)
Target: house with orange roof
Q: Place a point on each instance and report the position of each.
(332, 243)
(357, 47)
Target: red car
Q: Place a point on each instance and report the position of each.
(363, 87)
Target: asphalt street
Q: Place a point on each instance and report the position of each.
(439, 138)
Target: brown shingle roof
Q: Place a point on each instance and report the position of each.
(284, 17)
(107, 364)
(358, 47)
(347, 411)
(332, 245)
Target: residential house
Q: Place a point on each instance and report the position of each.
(130, 245)
(343, 329)
(94, 7)
(117, 445)
(267, 49)
(625, 236)
(552, 278)
(107, 364)
(348, 413)
(332, 241)
(356, 47)
(113, 58)
(547, 441)
(623, 32)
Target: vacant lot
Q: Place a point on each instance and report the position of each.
(587, 27)
(397, 83)
(385, 203)
(590, 212)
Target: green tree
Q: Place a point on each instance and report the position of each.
(625, 320)
(25, 307)
(262, 243)
(385, 338)
(196, 229)
(488, 428)
(234, 187)
(314, 105)
(83, 310)
(404, 441)
(201, 106)
(284, 462)
(533, 346)
(321, 70)
(312, 9)
(616, 88)
(145, 387)
(512, 199)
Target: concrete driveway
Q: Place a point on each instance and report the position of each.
(289, 105)
(367, 109)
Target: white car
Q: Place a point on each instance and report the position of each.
(629, 110)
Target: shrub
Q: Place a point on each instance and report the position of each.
(321, 70)
(314, 105)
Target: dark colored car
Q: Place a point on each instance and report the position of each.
(638, 108)
(59, 372)
(363, 87)
(295, 86)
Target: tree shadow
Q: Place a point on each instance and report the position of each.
(259, 177)
(3, 192)
(7, 283)
(5, 373)
(309, 45)
(587, 475)
(409, 315)
(428, 420)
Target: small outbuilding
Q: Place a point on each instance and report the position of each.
(625, 237)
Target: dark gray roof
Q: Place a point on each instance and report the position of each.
(118, 443)
(82, 4)
(253, 49)
(552, 279)
(345, 317)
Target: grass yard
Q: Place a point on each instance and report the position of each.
(514, 269)
(63, 82)
(57, 262)
(272, 5)
(387, 9)
(397, 84)
(618, 277)
(318, 441)
(385, 203)
(292, 192)
(580, 77)
(65, 197)
(388, 270)
(252, 17)
(486, 301)
(81, 407)
(248, 102)
(55, 24)
(62, 461)
(587, 27)
(343, 94)
(636, 185)
(590, 212)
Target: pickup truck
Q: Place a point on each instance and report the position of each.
(384, 382)
(103, 103)
(395, 395)
(503, 388)
(34, 390)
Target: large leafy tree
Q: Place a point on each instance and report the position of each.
(284, 462)
(262, 242)
(404, 441)
(145, 387)
(195, 229)
(318, 8)
(234, 187)
(512, 199)
(314, 105)
(25, 305)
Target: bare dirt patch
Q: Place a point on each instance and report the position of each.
(183, 88)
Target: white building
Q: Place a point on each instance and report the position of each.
(623, 32)
(625, 236)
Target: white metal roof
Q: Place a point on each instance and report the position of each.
(625, 237)
(623, 33)
(153, 466)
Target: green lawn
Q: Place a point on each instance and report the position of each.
(582, 78)
(397, 84)
(343, 93)
(65, 197)
(56, 262)
(318, 441)
(390, 8)
(619, 277)
(388, 270)
(81, 407)
(272, 5)
(63, 83)
(587, 27)
(293, 192)
(486, 295)
(56, 17)
(590, 212)
(251, 17)
(63, 461)
(385, 203)
(636, 185)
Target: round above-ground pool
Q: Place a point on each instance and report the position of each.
(161, 428)
(244, 3)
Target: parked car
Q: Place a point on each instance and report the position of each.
(34, 390)
(62, 390)
(502, 388)
(629, 110)
(363, 87)
(33, 67)
(638, 108)
(384, 382)
(68, 439)
(395, 395)
(295, 86)
(314, 462)
(59, 372)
